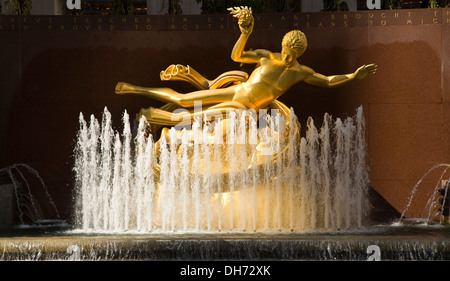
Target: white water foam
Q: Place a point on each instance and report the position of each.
(209, 184)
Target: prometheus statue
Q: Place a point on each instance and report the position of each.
(274, 75)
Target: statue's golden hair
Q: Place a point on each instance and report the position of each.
(295, 40)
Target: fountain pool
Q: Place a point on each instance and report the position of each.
(404, 242)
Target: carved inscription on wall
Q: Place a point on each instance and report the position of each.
(225, 22)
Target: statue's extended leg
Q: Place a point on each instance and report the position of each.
(184, 117)
(183, 100)
(161, 94)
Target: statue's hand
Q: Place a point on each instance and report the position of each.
(365, 71)
(245, 16)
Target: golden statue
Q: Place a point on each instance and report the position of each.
(274, 75)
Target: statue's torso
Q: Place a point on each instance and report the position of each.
(266, 83)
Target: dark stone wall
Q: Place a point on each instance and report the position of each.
(54, 67)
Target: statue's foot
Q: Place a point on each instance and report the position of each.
(124, 88)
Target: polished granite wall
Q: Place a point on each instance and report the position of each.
(54, 67)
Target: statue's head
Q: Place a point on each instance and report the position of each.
(293, 46)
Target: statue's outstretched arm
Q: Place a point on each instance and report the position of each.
(246, 23)
(318, 79)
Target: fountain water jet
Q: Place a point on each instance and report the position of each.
(430, 210)
(312, 183)
(30, 209)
